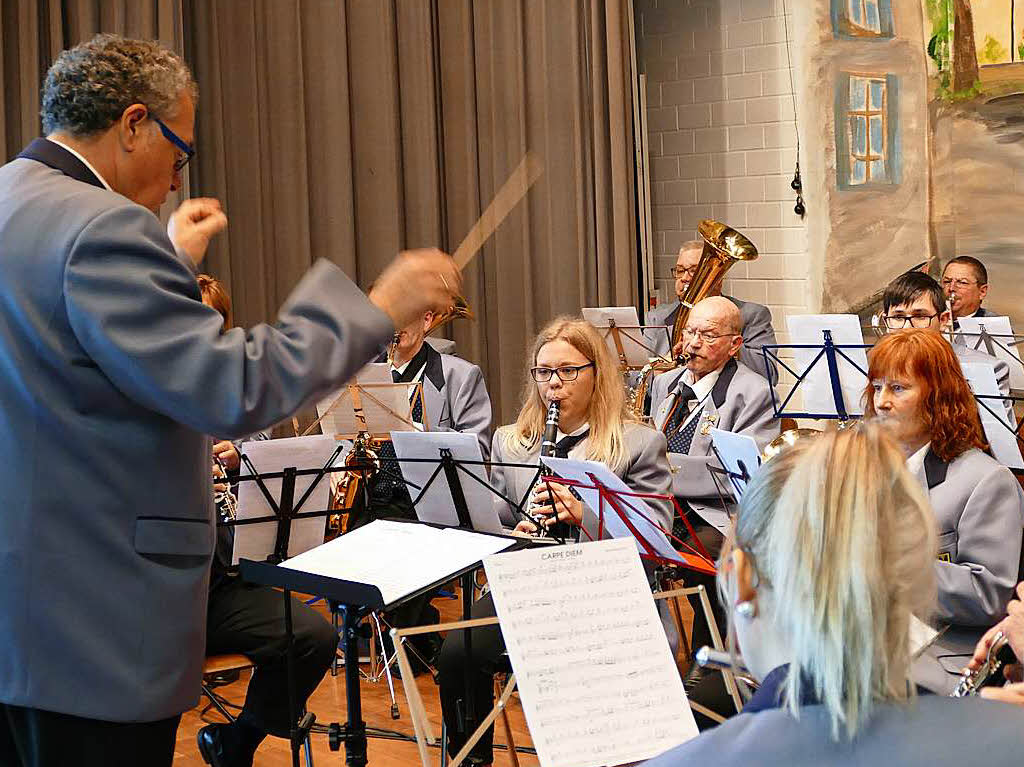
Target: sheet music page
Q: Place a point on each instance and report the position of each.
(639, 512)
(921, 635)
(634, 343)
(256, 541)
(399, 558)
(807, 329)
(340, 419)
(436, 504)
(981, 377)
(595, 672)
(1004, 346)
(738, 452)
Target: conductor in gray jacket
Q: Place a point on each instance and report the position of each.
(823, 621)
(112, 372)
(755, 319)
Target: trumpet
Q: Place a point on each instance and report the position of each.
(999, 654)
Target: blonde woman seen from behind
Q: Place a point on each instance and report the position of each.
(830, 556)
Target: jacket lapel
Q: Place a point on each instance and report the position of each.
(434, 397)
(57, 157)
(935, 469)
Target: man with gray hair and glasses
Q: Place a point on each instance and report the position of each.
(112, 373)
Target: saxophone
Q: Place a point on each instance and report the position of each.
(723, 247)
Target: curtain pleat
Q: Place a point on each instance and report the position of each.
(353, 130)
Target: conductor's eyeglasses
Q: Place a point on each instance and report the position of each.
(899, 321)
(174, 138)
(566, 373)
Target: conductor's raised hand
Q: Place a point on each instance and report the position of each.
(193, 225)
(416, 282)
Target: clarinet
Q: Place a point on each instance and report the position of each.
(547, 449)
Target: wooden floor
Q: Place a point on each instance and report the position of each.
(328, 703)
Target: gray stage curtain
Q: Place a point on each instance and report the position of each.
(33, 32)
(352, 130)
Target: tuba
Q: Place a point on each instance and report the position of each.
(723, 247)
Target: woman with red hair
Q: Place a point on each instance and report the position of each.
(917, 389)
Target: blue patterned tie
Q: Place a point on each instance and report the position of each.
(389, 477)
(679, 439)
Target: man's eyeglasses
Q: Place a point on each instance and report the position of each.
(704, 336)
(899, 321)
(175, 139)
(566, 373)
(681, 272)
(948, 283)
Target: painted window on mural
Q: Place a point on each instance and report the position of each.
(867, 130)
(864, 19)
(864, 15)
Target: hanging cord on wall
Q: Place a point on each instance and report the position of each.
(796, 183)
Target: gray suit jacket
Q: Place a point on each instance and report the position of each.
(740, 402)
(646, 471)
(931, 731)
(456, 397)
(757, 332)
(979, 508)
(113, 373)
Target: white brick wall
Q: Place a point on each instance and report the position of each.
(728, 150)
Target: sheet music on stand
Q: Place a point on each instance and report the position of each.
(829, 352)
(1001, 435)
(739, 456)
(371, 402)
(596, 676)
(415, 450)
(995, 336)
(418, 556)
(622, 332)
(256, 541)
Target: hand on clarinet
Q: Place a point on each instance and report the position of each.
(1013, 627)
(567, 507)
(226, 452)
(417, 282)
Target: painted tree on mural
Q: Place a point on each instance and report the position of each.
(965, 55)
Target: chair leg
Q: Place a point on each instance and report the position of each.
(216, 702)
(507, 725)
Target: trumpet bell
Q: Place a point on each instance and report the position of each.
(786, 440)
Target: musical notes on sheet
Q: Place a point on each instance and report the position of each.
(596, 675)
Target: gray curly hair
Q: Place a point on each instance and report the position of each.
(89, 86)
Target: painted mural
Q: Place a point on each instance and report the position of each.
(924, 138)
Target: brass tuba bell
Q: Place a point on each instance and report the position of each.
(723, 247)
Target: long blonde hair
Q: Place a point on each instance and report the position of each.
(844, 538)
(607, 411)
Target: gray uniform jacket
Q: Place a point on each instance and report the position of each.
(112, 372)
(646, 471)
(740, 402)
(757, 332)
(456, 398)
(979, 508)
(931, 731)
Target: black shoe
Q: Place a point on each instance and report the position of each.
(215, 747)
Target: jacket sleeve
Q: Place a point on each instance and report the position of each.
(135, 310)
(471, 409)
(758, 332)
(506, 511)
(754, 417)
(975, 589)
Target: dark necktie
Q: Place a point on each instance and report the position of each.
(563, 530)
(679, 439)
(565, 444)
(389, 479)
